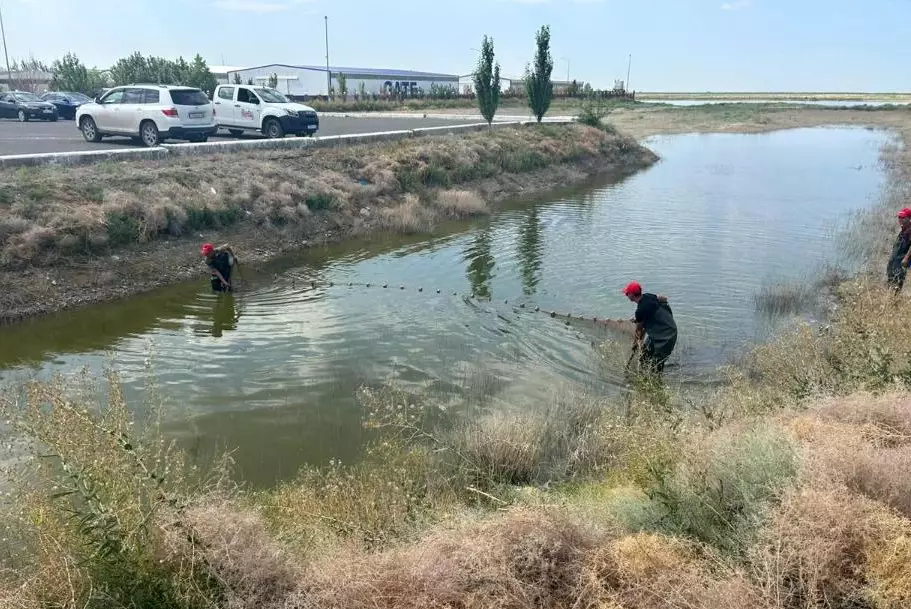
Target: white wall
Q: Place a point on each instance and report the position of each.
(377, 84)
(291, 81)
(311, 82)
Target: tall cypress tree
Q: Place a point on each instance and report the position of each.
(487, 81)
(538, 86)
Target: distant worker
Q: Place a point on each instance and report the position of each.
(221, 261)
(655, 323)
(901, 253)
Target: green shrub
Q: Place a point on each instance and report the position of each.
(319, 201)
(122, 228)
(719, 492)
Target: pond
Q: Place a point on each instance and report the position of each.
(273, 372)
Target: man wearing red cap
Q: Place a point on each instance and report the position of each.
(901, 252)
(221, 262)
(655, 322)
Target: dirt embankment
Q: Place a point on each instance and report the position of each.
(72, 236)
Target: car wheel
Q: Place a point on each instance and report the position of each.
(148, 133)
(89, 130)
(273, 129)
(23, 117)
(236, 132)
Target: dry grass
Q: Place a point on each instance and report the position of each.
(525, 558)
(51, 212)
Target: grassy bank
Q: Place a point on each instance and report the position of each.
(59, 226)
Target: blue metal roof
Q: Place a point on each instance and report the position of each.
(364, 71)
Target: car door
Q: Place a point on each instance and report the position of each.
(224, 105)
(7, 106)
(131, 110)
(108, 113)
(247, 109)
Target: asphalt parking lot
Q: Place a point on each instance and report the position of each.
(37, 137)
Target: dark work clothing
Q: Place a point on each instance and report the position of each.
(222, 262)
(895, 272)
(654, 359)
(661, 329)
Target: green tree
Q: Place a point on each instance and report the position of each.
(538, 86)
(70, 74)
(487, 81)
(200, 76)
(273, 80)
(250, 81)
(342, 86)
(237, 79)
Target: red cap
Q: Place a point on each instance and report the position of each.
(905, 213)
(632, 289)
(206, 249)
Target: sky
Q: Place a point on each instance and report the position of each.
(676, 45)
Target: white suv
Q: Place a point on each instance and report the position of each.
(152, 113)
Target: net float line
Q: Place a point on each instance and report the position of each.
(619, 325)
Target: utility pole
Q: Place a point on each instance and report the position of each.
(328, 73)
(629, 66)
(9, 73)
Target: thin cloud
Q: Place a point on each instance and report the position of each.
(736, 6)
(257, 6)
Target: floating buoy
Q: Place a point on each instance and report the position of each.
(312, 284)
(385, 285)
(553, 313)
(368, 285)
(522, 306)
(331, 284)
(537, 309)
(401, 287)
(438, 291)
(505, 302)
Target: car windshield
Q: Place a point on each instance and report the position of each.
(272, 96)
(26, 97)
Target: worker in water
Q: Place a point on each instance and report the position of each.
(901, 252)
(221, 261)
(655, 324)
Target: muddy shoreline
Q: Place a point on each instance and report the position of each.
(43, 290)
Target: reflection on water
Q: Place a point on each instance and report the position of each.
(530, 249)
(272, 370)
(480, 264)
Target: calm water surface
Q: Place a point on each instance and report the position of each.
(273, 371)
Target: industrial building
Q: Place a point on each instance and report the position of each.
(312, 81)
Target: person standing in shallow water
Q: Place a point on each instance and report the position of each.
(901, 253)
(655, 323)
(221, 261)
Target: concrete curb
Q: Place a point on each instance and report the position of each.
(207, 148)
(82, 157)
(443, 116)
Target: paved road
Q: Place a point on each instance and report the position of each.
(62, 136)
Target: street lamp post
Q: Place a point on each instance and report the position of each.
(328, 73)
(566, 59)
(9, 73)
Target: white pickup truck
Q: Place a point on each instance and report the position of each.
(240, 108)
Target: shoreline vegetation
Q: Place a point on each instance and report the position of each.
(71, 236)
(784, 488)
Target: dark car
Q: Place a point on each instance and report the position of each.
(66, 102)
(26, 106)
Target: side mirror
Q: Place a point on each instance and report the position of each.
(97, 100)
